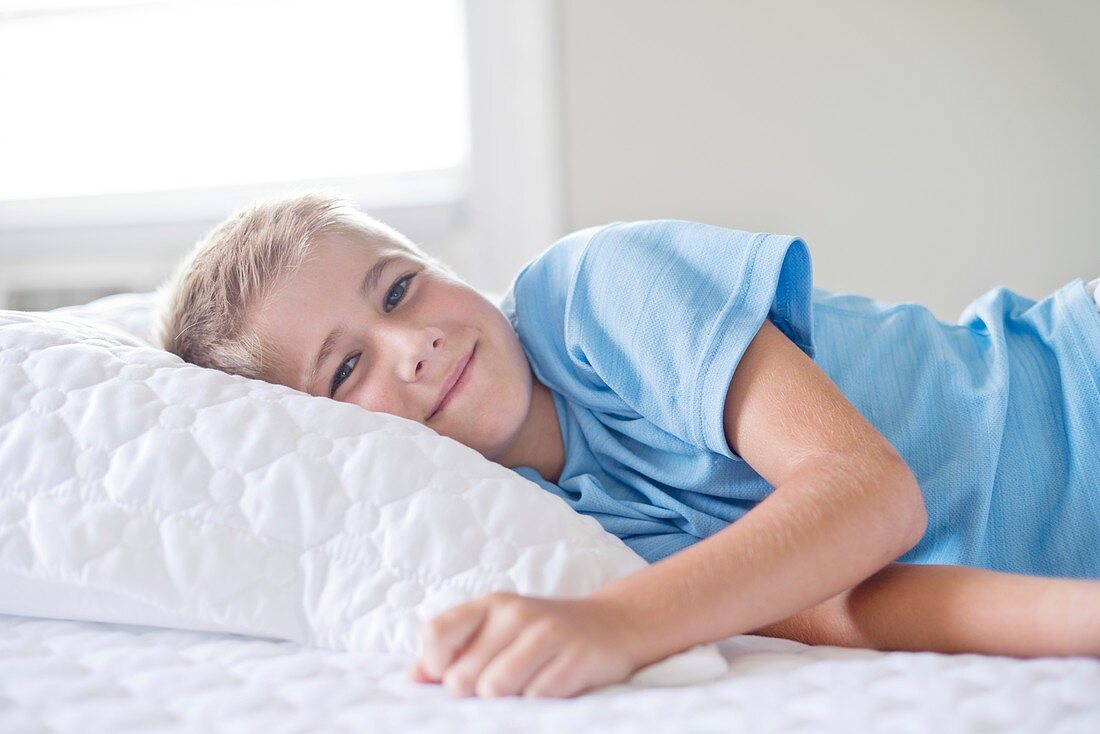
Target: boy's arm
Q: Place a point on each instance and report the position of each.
(955, 609)
(845, 504)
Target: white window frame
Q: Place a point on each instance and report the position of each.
(485, 219)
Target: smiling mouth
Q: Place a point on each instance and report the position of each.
(459, 384)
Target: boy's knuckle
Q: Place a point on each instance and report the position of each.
(432, 631)
(491, 685)
(546, 630)
(458, 679)
(514, 613)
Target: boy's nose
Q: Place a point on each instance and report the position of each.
(419, 353)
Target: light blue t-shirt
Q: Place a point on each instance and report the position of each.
(636, 328)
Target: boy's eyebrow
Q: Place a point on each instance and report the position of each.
(370, 280)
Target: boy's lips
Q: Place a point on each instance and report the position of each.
(458, 372)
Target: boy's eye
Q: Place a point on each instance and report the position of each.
(399, 284)
(342, 373)
(346, 368)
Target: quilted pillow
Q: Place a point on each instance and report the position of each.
(137, 488)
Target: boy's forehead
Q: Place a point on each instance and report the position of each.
(352, 252)
(359, 245)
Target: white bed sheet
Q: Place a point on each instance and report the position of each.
(64, 676)
(86, 677)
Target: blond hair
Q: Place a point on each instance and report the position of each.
(204, 305)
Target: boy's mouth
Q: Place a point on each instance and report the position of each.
(460, 375)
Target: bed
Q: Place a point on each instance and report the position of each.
(64, 676)
(152, 580)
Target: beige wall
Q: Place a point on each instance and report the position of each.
(927, 151)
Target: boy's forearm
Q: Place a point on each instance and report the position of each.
(955, 609)
(829, 527)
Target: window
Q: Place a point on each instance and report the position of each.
(122, 97)
(130, 128)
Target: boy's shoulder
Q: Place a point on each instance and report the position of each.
(561, 260)
(548, 279)
(636, 237)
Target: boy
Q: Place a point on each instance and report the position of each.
(672, 380)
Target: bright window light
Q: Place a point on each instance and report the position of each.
(156, 95)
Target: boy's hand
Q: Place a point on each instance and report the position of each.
(505, 644)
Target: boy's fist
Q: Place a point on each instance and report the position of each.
(505, 644)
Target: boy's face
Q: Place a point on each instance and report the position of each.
(397, 343)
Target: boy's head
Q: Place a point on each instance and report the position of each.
(309, 292)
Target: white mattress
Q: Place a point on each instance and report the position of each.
(62, 676)
(86, 677)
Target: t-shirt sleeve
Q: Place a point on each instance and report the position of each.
(663, 310)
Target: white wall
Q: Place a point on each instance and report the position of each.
(927, 151)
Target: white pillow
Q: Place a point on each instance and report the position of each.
(137, 488)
